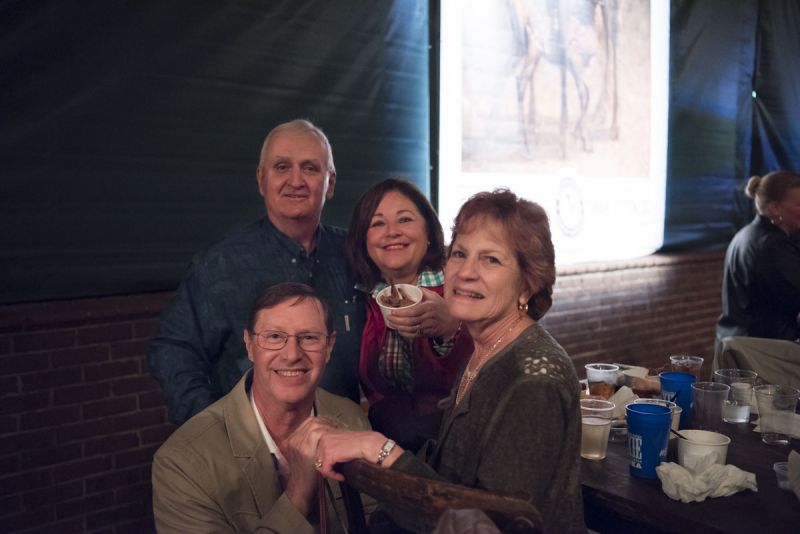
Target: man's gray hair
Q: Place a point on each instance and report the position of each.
(300, 126)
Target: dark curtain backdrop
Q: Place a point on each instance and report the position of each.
(130, 130)
(720, 134)
(776, 118)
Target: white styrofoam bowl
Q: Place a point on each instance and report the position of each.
(699, 443)
(410, 291)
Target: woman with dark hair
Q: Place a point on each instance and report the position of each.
(761, 283)
(406, 367)
(513, 424)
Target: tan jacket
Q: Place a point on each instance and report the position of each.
(216, 474)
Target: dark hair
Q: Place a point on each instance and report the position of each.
(528, 232)
(279, 293)
(364, 269)
(771, 187)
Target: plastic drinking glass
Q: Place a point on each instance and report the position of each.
(707, 398)
(602, 378)
(776, 406)
(596, 418)
(648, 427)
(687, 364)
(736, 408)
(676, 387)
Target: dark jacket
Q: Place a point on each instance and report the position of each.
(198, 354)
(761, 284)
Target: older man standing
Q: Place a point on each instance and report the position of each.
(247, 462)
(198, 354)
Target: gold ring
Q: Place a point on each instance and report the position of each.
(318, 464)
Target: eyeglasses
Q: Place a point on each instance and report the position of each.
(275, 340)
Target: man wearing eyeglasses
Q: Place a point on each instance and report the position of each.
(198, 354)
(247, 462)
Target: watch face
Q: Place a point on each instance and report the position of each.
(569, 207)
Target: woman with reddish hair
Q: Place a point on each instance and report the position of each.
(513, 423)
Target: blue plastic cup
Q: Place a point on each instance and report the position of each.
(677, 387)
(648, 437)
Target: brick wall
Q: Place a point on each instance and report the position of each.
(80, 418)
(638, 312)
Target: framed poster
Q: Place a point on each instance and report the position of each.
(565, 103)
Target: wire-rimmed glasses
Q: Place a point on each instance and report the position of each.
(276, 340)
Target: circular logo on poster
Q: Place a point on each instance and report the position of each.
(569, 207)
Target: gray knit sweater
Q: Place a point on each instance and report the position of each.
(518, 430)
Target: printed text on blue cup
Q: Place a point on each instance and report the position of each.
(635, 450)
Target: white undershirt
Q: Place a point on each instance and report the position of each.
(283, 465)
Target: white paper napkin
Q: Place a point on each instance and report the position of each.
(708, 480)
(621, 398)
(633, 370)
(795, 426)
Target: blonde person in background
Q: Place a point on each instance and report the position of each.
(513, 422)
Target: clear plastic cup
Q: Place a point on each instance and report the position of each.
(602, 378)
(782, 474)
(596, 418)
(707, 401)
(776, 407)
(736, 408)
(683, 363)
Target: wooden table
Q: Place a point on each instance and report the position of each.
(615, 501)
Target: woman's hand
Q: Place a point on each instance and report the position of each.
(429, 318)
(339, 446)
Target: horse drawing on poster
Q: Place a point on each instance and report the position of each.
(578, 40)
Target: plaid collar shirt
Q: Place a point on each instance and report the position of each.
(396, 360)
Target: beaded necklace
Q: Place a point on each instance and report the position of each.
(469, 376)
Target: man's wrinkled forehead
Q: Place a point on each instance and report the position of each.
(301, 146)
(275, 316)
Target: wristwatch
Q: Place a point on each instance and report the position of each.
(385, 451)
